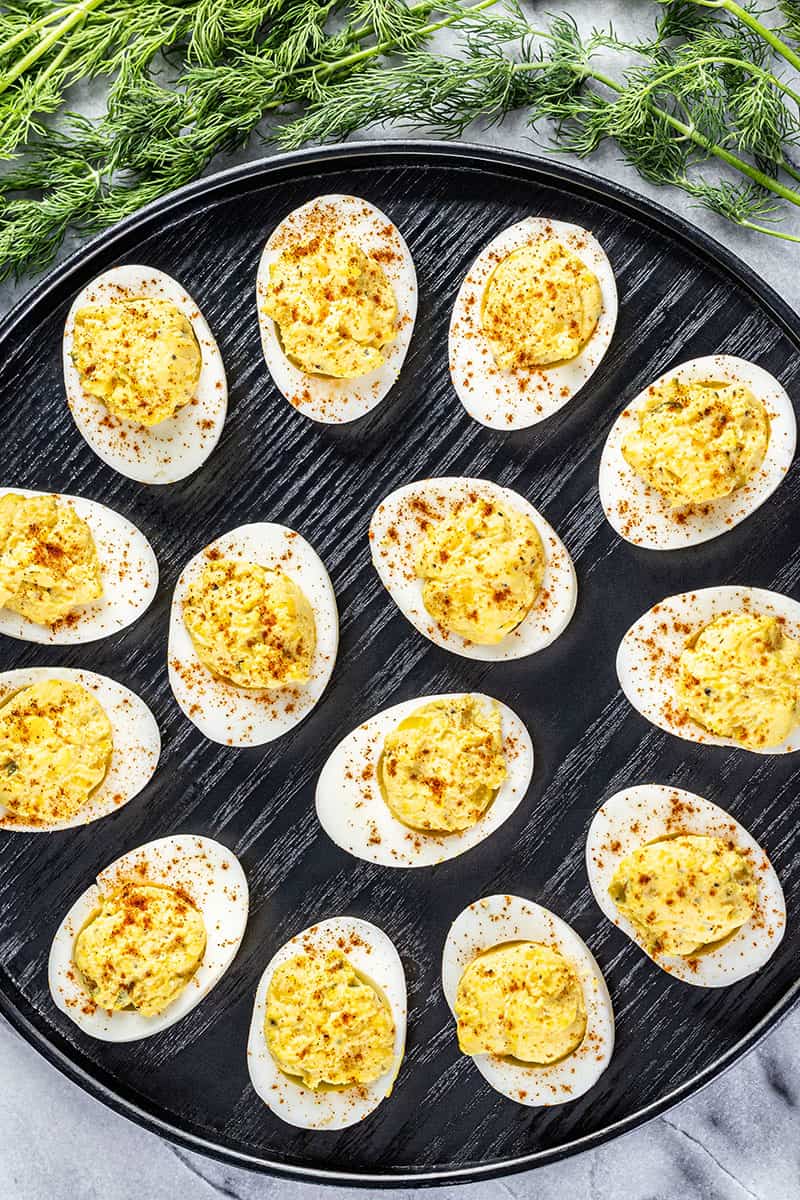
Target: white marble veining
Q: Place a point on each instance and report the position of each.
(738, 1138)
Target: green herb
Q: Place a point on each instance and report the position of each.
(63, 44)
(189, 80)
(153, 138)
(715, 94)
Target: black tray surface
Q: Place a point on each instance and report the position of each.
(681, 296)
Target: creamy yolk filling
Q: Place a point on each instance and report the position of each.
(250, 625)
(55, 748)
(48, 558)
(540, 306)
(335, 309)
(482, 569)
(442, 766)
(698, 442)
(141, 948)
(327, 1025)
(684, 894)
(140, 357)
(739, 678)
(521, 1000)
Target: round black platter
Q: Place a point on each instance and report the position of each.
(681, 296)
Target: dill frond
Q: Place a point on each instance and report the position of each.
(710, 85)
(389, 20)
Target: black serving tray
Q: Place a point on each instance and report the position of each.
(681, 296)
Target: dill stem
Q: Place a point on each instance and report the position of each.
(747, 18)
(11, 119)
(75, 17)
(732, 160)
(34, 27)
(787, 237)
(724, 60)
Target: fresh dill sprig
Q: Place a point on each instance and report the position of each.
(389, 20)
(715, 83)
(712, 95)
(68, 186)
(154, 138)
(441, 94)
(706, 98)
(790, 11)
(90, 38)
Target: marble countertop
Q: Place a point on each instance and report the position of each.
(738, 1138)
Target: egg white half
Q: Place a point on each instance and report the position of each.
(129, 572)
(641, 515)
(650, 812)
(136, 742)
(214, 880)
(648, 655)
(373, 955)
(397, 527)
(496, 920)
(175, 448)
(334, 401)
(516, 399)
(237, 716)
(354, 815)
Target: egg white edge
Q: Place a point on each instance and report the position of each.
(136, 738)
(182, 438)
(332, 401)
(224, 908)
(649, 521)
(343, 797)
(559, 582)
(111, 612)
(250, 723)
(329, 1110)
(750, 947)
(492, 396)
(495, 920)
(706, 605)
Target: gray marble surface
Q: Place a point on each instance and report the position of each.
(738, 1138)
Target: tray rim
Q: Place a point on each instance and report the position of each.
(51, 1045)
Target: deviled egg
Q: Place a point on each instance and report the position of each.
(253, 634)
(74, 747)
(425, 780)
(531, 322)
(71, 570)
(686, 882)
(337, 301)
(474, 567)
(720, 665)
(183, 903)
(531, 1005)
(695, 453)
(144, 376)
(328, 1030)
